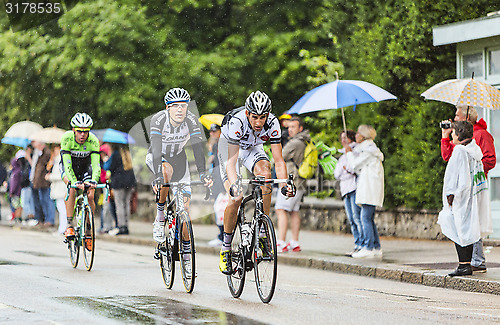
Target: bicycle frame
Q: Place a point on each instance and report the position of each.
(82, 211)
(179, 243)
(256, 247)
(82, 201)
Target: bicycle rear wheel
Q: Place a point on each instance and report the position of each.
(236, 281)
(167, 261)
(88, 243)
(187, 251)
(265, 258)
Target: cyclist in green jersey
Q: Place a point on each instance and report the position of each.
(80, 163)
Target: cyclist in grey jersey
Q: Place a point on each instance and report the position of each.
(170, 130)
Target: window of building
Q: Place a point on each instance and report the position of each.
(494, 62)
(472, 63)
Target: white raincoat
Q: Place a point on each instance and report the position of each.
(366, 161)
(469, 217)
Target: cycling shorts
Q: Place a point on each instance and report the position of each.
(82, 173)
(247, 158)
(180, 168)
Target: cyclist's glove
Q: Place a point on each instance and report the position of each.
(158, 181)
(291, 187)
(206, 178)
(92, 182)
(235, 189)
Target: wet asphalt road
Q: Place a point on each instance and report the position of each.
(38, 285)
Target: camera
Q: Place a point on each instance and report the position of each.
(445, 124)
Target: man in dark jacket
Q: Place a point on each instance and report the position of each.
(44, 206)
(123, 183)
(293, 154)
(485, 141)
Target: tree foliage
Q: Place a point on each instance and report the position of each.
(115, 60)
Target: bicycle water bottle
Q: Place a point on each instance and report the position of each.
(245, 234)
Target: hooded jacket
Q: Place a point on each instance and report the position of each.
(483, 139)
(366, 161)
(15, 178)
(469, 215)
(293, 155)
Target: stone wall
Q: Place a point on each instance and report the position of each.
(329, 215)
(324, 215)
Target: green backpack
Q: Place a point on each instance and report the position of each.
(326, 159)
(307, 168)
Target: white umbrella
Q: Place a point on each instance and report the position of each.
(23, 129)
(48, 135)
(465, 92)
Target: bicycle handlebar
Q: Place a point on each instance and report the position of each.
(208, 192)
(257, 180)
(106, 186)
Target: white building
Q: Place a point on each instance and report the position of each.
(478, 50)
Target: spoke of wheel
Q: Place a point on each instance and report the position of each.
(187, 252)
(88, 238)
(236, 281)
(265, 258)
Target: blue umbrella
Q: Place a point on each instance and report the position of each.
(20, 142)
(113, 136)
(340, 94)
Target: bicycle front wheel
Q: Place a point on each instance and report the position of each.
(236, 281)
(167, 261)
(187, 251)
(265, 258)
(74, 251)
(88, 246)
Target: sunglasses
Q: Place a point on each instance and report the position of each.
(82, 130)
(178, 105)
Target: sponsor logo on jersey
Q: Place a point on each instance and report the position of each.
(238, 134)
(264, 137)
(274, 133)
(80, 154)
(174, 138)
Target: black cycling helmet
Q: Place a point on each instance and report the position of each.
(258, 103)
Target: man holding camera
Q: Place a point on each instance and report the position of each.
(485, 141)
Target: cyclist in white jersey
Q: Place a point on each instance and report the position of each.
(243, 134)
(170, 130)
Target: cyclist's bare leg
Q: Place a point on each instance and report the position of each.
(167, 171)
(263, 168)
(70, 205)
(90, 196)
(231, 211)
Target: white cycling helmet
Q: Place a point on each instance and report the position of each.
(258, 103)
(81, 120)
(176, 95)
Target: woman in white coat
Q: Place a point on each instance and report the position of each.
(366, 161)
(465, 216)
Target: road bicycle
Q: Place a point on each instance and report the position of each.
(179, 245)
(84, 231)
(254, 243)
